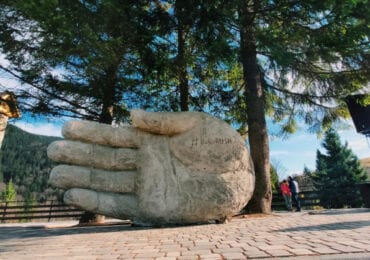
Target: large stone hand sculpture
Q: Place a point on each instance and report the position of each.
(168, 168)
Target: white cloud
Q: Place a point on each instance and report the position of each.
(358, 143)
(48, 129)
(361, 147)
(278, 152)
(3, 60)
(7, 82)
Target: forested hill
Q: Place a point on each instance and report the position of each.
(24, 160)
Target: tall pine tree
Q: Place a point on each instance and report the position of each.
(337, 174)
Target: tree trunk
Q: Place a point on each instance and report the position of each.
(181, 64)
(108, 98)
(257, 128)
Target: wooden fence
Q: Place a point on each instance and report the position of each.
(20, 211)
(308, 199)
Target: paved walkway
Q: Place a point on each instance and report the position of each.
(336, 234)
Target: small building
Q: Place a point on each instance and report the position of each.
(365, 163)
(365, 187)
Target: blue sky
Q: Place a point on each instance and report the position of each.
(299, 150)
(288, 155)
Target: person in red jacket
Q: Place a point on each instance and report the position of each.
(287, 195)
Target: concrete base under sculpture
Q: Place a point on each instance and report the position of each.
(168, 168)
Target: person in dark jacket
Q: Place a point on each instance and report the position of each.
(294, 189)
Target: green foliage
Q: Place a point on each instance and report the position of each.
(307, 171)
(274, 179)
(337, 174)
(97, 46)
(9, 193)
(314, 54)
(25, 163)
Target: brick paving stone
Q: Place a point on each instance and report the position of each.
(124, 256)
(273, 247)
(210, 257)
(234, 256)
(347, 249)
(279, 252)
(203, 242)
(188, 257)
(324, 250)
(257, 244)
(82, 257)
(153, 255)
(248, 247)
(302, 246)
(173, 253)
(301, 251)
(198, 252)
(236, 244)
(166, 248)
(102, 257)
(275, 236)
(365, 241)
(144, 257)
(166, 258)
(192, 253)
(256, 254)
(201, 247)
(220, 246)
(145, 251)
(228, 250)
(357, 245)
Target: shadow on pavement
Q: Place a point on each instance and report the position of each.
(15, 232)
(331, 226)
(35, 231)
(340, 211)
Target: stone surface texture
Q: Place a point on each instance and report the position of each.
(167, 168)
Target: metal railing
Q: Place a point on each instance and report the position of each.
(21, 211)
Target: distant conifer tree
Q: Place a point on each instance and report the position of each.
(337, 174)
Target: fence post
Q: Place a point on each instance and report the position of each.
(4, 212)
(51, 206)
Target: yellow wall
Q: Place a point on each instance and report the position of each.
(365, 162)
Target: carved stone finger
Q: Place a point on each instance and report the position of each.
(67, 177)
(91, 155)
(108, 204)
(165, 123)
(104, 134)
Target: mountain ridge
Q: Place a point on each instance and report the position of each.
(24, 161)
